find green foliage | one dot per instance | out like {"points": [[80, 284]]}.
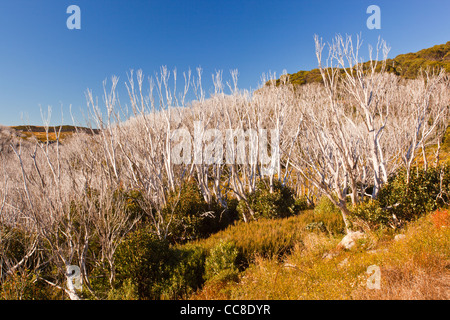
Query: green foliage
{"points": [[304, 77], [404, 65], [99, 280], [18, 286], [265, 204], [221, 265], [326, 217], [141, 257], [409, 65], [185, 271], [262, 238], [399, 202], [371, 212], [128, 291], [23, 282], [155, 269], [145, 259], [12, 242], [193, 217], [424, 193], [301, 204], [324, 206], [187, 206]]}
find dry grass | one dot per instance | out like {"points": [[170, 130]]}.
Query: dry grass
{"points": [[401, 284], [265, 237], [42, 136], [38, 132], [415, 267]]}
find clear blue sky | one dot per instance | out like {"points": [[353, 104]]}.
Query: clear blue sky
{"points": [[44, 63]]}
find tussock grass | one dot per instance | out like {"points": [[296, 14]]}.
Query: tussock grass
{"points": [[273, 238], [414, 267], [418, 266]]}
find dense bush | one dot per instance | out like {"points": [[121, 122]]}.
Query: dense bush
{"points": [[301, 204], [399, 202], [326, 217], [325, 206], [185, 270], [425, 193], [127, 291], [441, 218], [22, 286], [141, 257], [371, 212], [152, 269], [265, 204], [221, 265], [192, 217], [12, 242]]}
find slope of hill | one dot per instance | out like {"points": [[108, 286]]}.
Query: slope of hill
{"points": [[40, 134], [405, 65]]}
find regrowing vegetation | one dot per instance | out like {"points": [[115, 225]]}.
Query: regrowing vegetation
{"points": [[238, 195]]}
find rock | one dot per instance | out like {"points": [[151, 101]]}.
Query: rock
{"points": [[329, 255], [349, 240], [399, 237]]}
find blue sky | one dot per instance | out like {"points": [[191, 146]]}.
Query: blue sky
{"points": [[44, 63]]}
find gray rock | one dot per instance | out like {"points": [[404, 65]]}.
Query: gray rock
{"points": [[349, 240]]}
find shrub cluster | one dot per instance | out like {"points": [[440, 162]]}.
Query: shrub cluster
{"points": [[150, 268], [156, 269], [326, 217], [192, 217], [399, 201], [221, 264], [264, 203]]}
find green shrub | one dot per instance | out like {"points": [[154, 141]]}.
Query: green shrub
{"points": [[232, 213], [187, 206], [99, 278], [326, 216], [301, 204], [371, 212], [128, 291], [265, 204], [221, 263], [423, 193], [13, 242], [185, 270], [193, 217], [141, 258], [324, 206], [269, 238], [156, 270]]}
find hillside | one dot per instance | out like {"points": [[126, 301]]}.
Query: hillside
{"points": [[40, 134], [405, 65], [413, 262], [141, 217]]}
